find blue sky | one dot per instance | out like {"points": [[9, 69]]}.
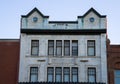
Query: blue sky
{"points": [[60, 10]]}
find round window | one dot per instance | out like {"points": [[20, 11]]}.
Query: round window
{"points": [[35, 19], [91, 19]]}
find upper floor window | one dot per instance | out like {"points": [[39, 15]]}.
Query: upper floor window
{"points": [[59, 47], [91, 47], [35, 47], [91, 74], [74, 48], [67, 47], [34, 74], [51, 47]]}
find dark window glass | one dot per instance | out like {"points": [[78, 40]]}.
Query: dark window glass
{"points": [[50, 73], [51, 47], [91, 74], [66, 74], [91, 47], [58, 74], [75, 48], [74, 74], [34, 74], [67, 48], [34, 47], [58, 47]]}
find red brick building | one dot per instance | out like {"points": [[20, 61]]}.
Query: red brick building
{"points": [[9, 61], [113, 56]]}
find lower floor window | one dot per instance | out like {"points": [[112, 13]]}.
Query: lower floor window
{"points": [[117, 76], [74, 74], [91, 74], [34, 74], [58, 74], [50, 72], [65, 74]]}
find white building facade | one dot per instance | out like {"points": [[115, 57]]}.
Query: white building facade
{"points": [[63, 51]]}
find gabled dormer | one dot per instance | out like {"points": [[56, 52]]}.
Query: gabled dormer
{"points": [[92, 20], [34, 19]]}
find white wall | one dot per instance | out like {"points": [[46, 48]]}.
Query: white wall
{"points": [[28, 61]]}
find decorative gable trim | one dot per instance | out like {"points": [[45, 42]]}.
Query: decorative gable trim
{"points": [[32, 11], [92, 10]]}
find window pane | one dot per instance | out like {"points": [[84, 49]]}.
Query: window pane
{"points": [[91, 43], [58, 43], [34, 74], [91, 75], [58, 74], [35, 51], [117, 77], [50, 47], [50, 74], [50, 78], [74, 48], [35, 43], [59, 47], [91, 47], [91, 79], [67, 43], [75, 78], [67, 51], [34, 78], [75, 74], [59, 51], [91, 51], [66, 74], [66, 47], [51, 51], [34, 47], [51, 43]]}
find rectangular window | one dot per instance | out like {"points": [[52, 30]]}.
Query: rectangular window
{"points": [[66, 74], [34, 47], [67, 48], [91, 47], [59, 47], [117, 76], [51, 47], [74, 74], [50, 73], [75, 48], [92, 74], [34, 74], [58, 74]]}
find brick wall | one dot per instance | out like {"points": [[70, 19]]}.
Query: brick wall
{"points": [[113, 60], [9, 61]]}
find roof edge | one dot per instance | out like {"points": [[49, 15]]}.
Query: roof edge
{"points": [[92, 9], [33, 10]]}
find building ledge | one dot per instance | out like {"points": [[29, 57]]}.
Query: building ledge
{"points": [[63, 31], [61, 83]]}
